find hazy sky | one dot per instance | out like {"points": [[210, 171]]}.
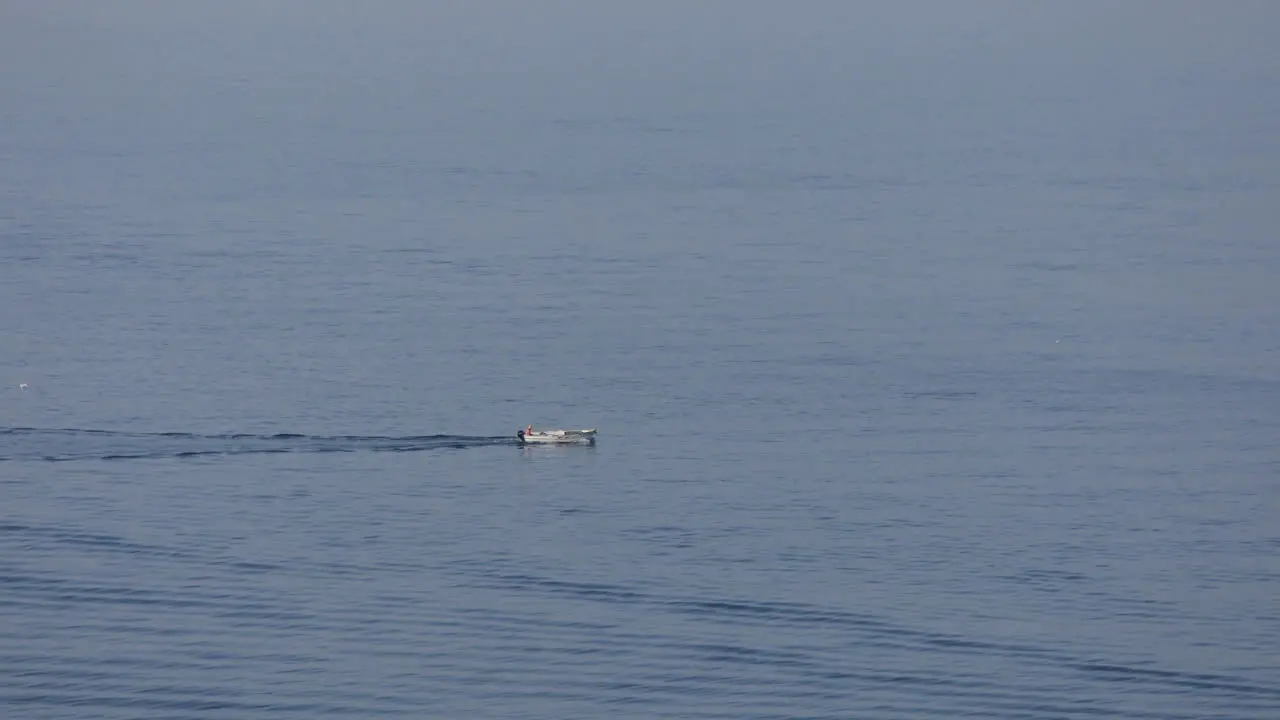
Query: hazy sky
{"points": [[666, 36]]}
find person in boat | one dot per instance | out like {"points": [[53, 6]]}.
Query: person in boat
{"points": [[528, 431]]}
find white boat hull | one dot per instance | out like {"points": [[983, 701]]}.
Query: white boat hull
{"points": [[557, 437]]}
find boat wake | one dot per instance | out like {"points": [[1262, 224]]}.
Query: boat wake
{"points": [[67, 444]]}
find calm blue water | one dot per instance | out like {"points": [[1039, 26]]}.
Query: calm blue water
{"points": [[935, 353]]}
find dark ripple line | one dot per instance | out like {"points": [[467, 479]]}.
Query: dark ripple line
{"points": [[97, 542], [816, 676], [236, 436], [836, 685], [77, 537], [134, 702], [40, 665], [226, 444], [1200, 681], [806, 615], [89, 681], [56, 590], [816, 679]]}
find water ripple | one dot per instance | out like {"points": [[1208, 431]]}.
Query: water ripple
{"points": [[70, 444]]}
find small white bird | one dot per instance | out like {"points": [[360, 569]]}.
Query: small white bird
{"points": [[22, 386]]}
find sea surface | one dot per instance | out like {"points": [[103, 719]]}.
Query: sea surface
{"points": [[934, 350]]}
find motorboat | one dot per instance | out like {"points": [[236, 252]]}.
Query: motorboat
{"points": [[529, 436]]}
